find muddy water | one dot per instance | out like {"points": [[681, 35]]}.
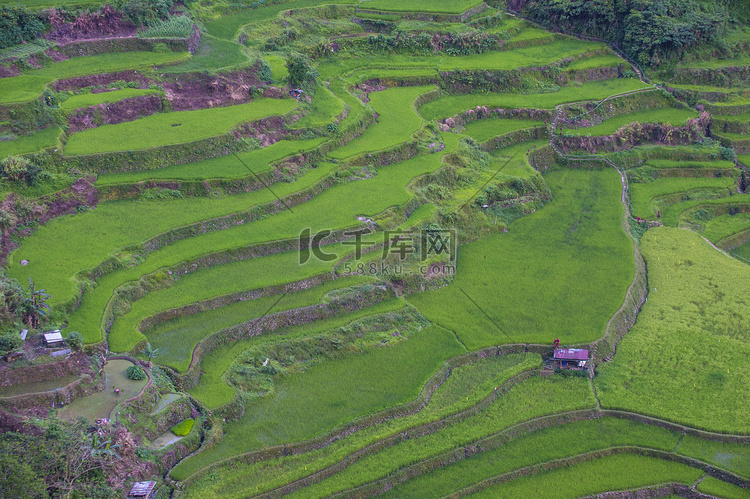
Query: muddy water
{"points": [[100, 404]]}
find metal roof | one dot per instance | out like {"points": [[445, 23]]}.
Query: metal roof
{"points": [[141, 489], [53, 336], [571, 354]]}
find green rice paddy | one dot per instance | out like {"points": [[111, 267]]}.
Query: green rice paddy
{"points": [[249, 164], [451, 105], [173, 128], [23, 144], [420, 384], [454, 7], [692, 319], [92, 99], [583, 222], [665, 115], [481, 130], [30, 84], [397, 121]]}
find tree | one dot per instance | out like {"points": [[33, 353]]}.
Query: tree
{"points": [[18, 25], [11, 297], [76, 459], [65, 461], [34, 305], [150, 352], [19, 477], [302, 74]]}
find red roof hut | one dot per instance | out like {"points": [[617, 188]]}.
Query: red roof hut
{"points": [[571, 358]]}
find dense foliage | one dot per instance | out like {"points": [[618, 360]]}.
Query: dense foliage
{"points": [[135, 373], [142, 11], [65, 461], [18, 25], [650, 31]]}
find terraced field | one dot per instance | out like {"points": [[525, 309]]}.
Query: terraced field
{"points": [[345, 236]]}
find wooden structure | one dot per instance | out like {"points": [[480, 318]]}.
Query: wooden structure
{"points": [[570, 358], [11, 356], [142, 490], [53, 339]]}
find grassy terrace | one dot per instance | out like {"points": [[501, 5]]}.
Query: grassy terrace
{"points": [[596, 476], [91, 99], [583, 222], [453, 7], [31, 83], [666, 115], [173, 128], [523, 402], [339, 391], [725, 225], [367, 197], [481, 130], [227, 26], [692, 318], [599, 61], [535, 448], [258, 161], [525, 57], [648, 198], [466, 386], [214, 392], [397, 121], [209, 283], [23, 144], [450, 105], [177, 338], [675, 215], [397, 380], [509, 409]]}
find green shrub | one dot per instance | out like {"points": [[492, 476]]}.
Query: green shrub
{"points": [[183, 428], [18, 24], [302, 74], [174, 27], [136, 373], [160, 48], [142, 11], [9, 341], [75, 341]]}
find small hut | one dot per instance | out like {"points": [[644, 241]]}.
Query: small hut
{"points": [[571, 358], [53, 339], [142, 490]]}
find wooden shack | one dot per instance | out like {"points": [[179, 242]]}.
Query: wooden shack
{"points": [[141, 490], [570, 358]]}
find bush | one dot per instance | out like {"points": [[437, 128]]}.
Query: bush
{"points": [[75, 341], [265, 72], [136, 373], [141, 11], [183, 428], [302, 74], [14, 168], [160, 48], [9, 341], [727, 153], [174, 27], [18, 24]]}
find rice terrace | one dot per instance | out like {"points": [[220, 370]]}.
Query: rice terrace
{"points": [[356, 248]]}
